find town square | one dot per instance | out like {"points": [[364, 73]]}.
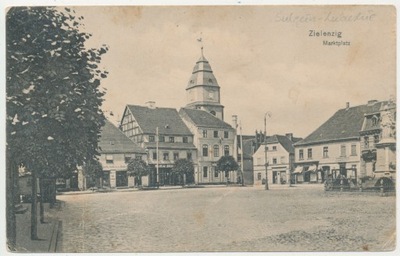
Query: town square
{"points": [[157, 129]]}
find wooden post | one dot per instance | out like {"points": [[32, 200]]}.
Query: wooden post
{"points": [[11, 175], [34, 235]]}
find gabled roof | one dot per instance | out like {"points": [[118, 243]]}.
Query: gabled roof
{"points": [[346, 123], [113, 140], [201, 118], [167, 120], [286, 143]]}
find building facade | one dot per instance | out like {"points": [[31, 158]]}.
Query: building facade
{"points": [[343, 145], [378, 145], [164, 137], [213, 139], [280, 158], [116, 150]]}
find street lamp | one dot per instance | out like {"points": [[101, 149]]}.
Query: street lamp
{"points": [[265, 149]]}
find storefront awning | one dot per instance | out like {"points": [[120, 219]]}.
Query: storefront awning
{"points": [[299, 169], [312, 168]]}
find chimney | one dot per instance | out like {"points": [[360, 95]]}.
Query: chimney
{"points": [[372, 102], [234, 121], [289, 136], [347, 105], [151, 104]]}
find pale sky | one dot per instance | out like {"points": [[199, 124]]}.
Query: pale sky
{"points": [[262, 57]]}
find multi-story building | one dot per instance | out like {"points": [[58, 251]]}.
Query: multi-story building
{"points": [[116, 150], [165, 138], [334, 148], [378, 148], [213, 138], [280, 158]]}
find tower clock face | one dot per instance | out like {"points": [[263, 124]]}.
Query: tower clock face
{"points": [[211, 95]]}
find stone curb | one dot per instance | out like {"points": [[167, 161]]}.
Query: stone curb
{"points": [[55, 236]]}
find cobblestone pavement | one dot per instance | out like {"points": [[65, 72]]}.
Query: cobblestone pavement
{"points": [[228, 219]]}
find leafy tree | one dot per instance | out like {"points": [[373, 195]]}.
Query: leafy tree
{"points": [[138, 168], [53, 99], [226, 164], [93, 171], [183, 167]]}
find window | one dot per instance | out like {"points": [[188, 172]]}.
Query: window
{"points": [[176, 155], [205, 171], [273, 147], [185, 139], [366, 142], [204, 133], [154, 156], [325, 152], [165, 156], [138, 157], [215, 134], [259, 176], [161, 138], [213, 113], [226, 150], [127, 158], [343, 150], [216, 173], [216, 151], [309, 153], [226, 134], [205, 150], [189, 155], [151, 138], [109, 159], [274, 161], [301, 154], [267, 148], [171, 139], [376, 139], [353, 150], [374, 121]]}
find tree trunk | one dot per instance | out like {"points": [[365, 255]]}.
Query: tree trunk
{"points": [[34, 207], [11, 176], [42, 195], [52, 192]]}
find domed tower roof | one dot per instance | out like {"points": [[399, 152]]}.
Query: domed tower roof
{"points": [[202, 74]]}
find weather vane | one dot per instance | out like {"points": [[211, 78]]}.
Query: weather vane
{"points": [[200, 40]]}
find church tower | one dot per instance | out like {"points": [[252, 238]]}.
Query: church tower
{"points": [[203, 91]]}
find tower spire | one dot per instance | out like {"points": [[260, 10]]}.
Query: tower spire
{"points": [[200, 40]]}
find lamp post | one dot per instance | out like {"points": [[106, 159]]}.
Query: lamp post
{"points": [[265, 149], [241, 154], [157, 167]]}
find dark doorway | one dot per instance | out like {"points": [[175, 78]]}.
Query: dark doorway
{"points": [[122, 179]]}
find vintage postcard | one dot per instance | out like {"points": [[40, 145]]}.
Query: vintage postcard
{"points": [[194, 129]]}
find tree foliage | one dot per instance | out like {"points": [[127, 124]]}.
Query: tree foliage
{"points": [[53, 99], [138, 168], [183, 166], [92, 170], [227, 164]]}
